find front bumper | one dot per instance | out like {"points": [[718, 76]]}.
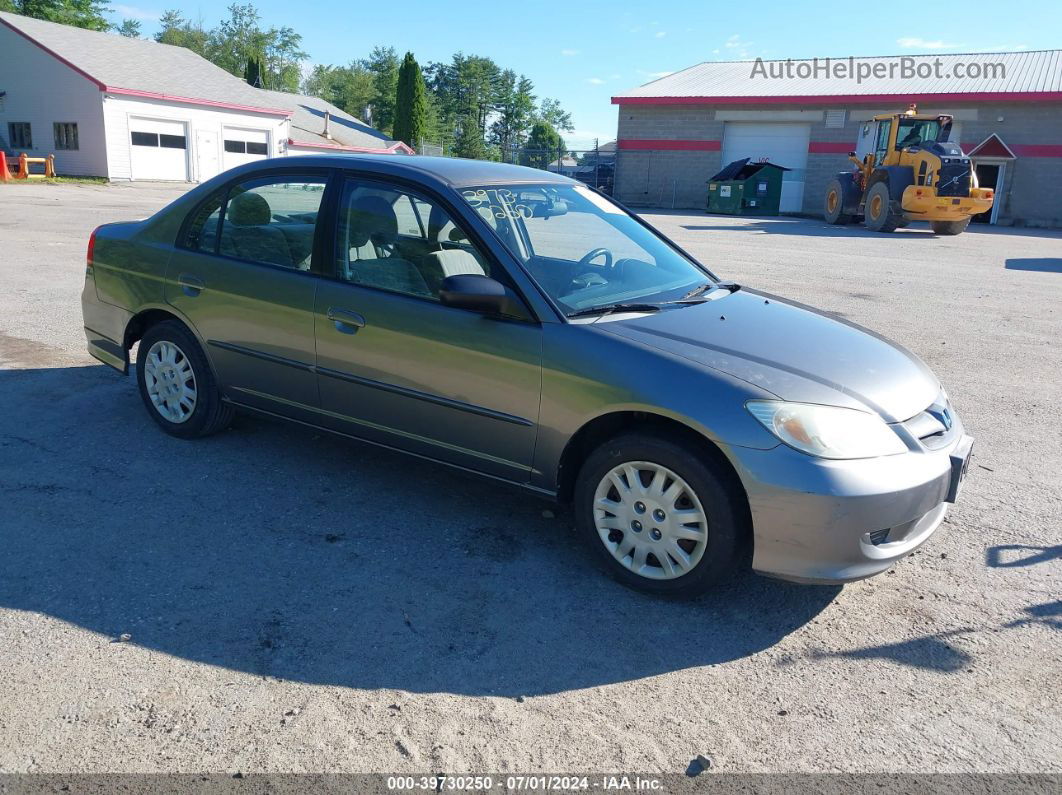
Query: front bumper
{"points": [[817, 520], [921, 203]]}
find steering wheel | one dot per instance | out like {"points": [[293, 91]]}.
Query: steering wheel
{"points": [[594, 254]]}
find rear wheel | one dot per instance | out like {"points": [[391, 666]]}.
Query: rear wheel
{"points": [[950, 227], [177, 385], [833, 206], [659, 517], [878, 213]]}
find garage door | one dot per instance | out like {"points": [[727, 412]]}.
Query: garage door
{"points": [[781, 143], [158, 149], [244, 146]]}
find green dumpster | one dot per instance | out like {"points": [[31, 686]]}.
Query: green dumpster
{"points": [[744, 188]]}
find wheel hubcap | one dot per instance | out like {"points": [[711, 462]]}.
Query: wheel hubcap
{"points": [[875, 206], [170, 381], [831, 201], [641, 495]]}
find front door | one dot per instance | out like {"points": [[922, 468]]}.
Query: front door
{"points": [[206, 154], [396, 366], [243, 278]]}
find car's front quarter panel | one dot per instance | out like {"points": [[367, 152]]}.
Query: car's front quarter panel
{"points": [[587, 374]]}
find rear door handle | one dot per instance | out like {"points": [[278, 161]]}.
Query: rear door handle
{"points": [[190, 285], [346, 321]]}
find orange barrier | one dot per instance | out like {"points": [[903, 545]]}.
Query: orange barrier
{"points": [[24, 162]]}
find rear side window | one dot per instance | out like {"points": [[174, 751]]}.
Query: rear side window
{"points": [[271, 220]]}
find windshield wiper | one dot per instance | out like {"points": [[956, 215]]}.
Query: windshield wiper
{"points": [[700, 290], [608, 309]]}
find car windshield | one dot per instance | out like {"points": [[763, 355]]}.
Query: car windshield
{"points": [[584, 250]]}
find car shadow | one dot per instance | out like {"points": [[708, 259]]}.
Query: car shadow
{"points": [[275, 550], [803, 227], [1040, 264]]}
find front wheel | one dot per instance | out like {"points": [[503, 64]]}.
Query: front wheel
{"points": [[950, 227], [659, 517], [879, 215], [177, 384]]}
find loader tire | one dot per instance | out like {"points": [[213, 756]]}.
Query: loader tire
{"points": [[833, 204], [950, 227], [878, 213]]}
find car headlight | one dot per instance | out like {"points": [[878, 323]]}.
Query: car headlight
{"points": [[827, 431]]}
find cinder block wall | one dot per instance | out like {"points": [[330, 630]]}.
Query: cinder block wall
{"points": [[1032, 194]]}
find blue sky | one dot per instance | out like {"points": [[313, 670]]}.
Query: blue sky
{"points": [[584, 52]]}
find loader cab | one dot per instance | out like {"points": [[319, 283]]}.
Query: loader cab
{"points": [[887, 134]]}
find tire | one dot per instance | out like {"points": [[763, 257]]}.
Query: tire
{"points": [[879, 215], [833, 204], [625, 541], [177, 385], [950, 227]]}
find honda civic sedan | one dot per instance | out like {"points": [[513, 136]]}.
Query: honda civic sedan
{"points": [[519, 325]]}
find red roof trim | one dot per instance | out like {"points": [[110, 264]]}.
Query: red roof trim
{"points": [[849, 99], [1037, 150], [132, 92], [992, 146], [54, 54], [394, 148], [669, 144]]}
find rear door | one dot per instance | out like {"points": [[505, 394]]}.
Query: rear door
{"points": [[395, 365], [244, 276]]}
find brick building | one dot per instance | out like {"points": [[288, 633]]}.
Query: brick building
{"points": [[676, 132]]}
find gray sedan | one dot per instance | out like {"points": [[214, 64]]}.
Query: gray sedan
{"points": [[521, 326]]}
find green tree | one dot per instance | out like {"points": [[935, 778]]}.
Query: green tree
{"points": [[514, 108], [411, 103], [350, 88], [130, 28], [551, 112], [176, 30], [79, 13], [468, 141], [383, 64], [544, 145], [252, 74]]}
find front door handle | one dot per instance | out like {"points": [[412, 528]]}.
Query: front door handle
{"points": [[346, 321], [190, 285]]}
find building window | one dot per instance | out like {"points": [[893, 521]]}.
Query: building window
{"points": [[245, 147], [158, 139], [65, 135], [20, 134]]}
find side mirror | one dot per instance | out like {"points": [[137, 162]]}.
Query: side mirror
{"points": [[480, 294]]}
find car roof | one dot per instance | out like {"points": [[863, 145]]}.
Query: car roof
{"points": [[455, 172]]}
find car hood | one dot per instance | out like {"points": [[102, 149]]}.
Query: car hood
{"points": [[790, 350]]}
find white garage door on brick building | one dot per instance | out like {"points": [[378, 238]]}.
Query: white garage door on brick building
{"points": [[779, 143]]}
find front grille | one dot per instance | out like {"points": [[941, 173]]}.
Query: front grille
{"points": [[934, 426], [953, 179]]}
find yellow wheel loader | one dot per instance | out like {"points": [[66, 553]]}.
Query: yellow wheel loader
{"points": [[907, 170]]}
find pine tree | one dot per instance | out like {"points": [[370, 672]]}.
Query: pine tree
{"points": [[411, 103], [253, 73]]}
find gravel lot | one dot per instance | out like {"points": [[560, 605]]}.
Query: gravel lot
{"points": [[296, 602]]}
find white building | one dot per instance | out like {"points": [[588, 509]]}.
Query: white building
{"points": [[123, 108]]}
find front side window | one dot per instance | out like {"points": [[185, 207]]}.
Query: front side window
{"points": [[582, 249], [394, 240], [20, 134], [65, 135]]}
